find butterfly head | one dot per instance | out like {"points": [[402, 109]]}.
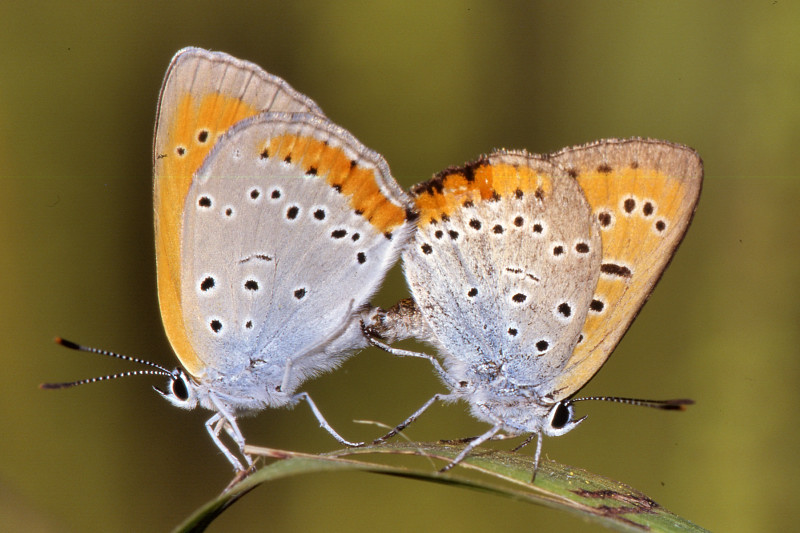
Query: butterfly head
{"points": [[181, 390], [521, 410]]}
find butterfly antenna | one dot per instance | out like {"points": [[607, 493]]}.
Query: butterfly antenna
{"points": [[158, 369], [669, 405]]}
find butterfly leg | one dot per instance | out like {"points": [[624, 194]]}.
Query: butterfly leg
{"points": [[214, 426], [538, 437], [465, 440], [472, 445], [287, 372], [403, 425], [233, 431], [537, 455], [524, 443], [225, 420], [407, 353], [322, 422]]}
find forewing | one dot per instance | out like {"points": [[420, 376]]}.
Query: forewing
{"points": [[643, 194], [204, 93]]}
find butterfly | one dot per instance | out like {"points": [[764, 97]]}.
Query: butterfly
{"points": [[273, 228], [526, 271]]}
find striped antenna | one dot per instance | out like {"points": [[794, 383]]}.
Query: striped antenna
{"points": [[159, 370], [671, 405]]}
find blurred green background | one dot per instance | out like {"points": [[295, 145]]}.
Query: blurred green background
{"points": [[426, 84]]}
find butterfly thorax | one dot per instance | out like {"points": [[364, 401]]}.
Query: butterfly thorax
{"points": [[495, 395], [244, 392], [522, 409]]}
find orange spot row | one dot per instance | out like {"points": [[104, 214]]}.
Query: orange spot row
{"points": [[488, 181], [333, 165]]}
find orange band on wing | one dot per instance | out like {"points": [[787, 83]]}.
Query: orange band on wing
{"points": [[330, 163], [449, 190], [197, 125]]}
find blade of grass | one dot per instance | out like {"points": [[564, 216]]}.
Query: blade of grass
{"points": [[592, 497]]}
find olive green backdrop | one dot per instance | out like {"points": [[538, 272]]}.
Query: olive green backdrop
{"points": [[426, 84]]}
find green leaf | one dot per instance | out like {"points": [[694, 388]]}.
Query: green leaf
{"points": [[592, 497]]}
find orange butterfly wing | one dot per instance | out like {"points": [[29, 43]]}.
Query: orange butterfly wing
{"points": [[204, 94], [643, 193]]}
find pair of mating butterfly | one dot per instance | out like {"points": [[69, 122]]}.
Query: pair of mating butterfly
{"points": [[274, 227]]}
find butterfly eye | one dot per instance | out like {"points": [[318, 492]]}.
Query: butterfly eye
{"points": [[561, 420], [179, 389], [181, 392], [561, 416]]}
